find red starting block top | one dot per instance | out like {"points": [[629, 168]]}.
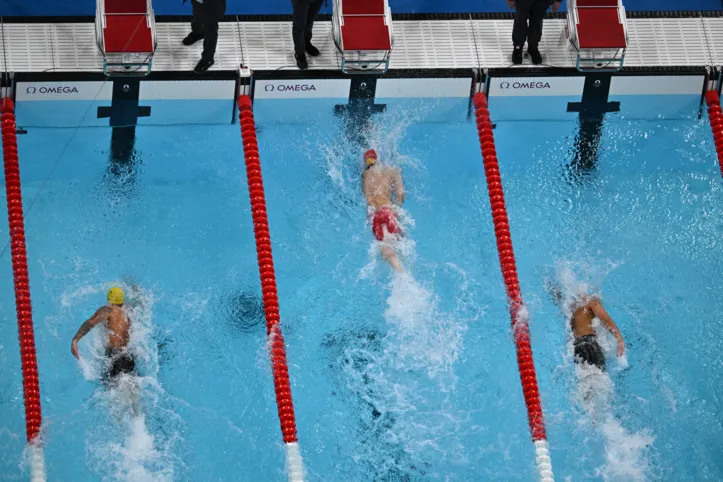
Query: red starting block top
{"points": [[597, 3], [600, 28], [125, 6], [365, 33], [362, 7], [364, 26], [127, 33]]}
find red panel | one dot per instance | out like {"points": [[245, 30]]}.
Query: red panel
{"points": [[365, 33], [597, 3], [125, 6], [127, 34], [362, 7], [600, 28]]}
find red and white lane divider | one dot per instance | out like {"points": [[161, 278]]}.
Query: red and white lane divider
{"points": [[279, 366], [31, 384], [520, 327], [716, 123]]}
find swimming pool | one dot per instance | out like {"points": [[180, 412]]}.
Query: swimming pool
{"points": [[394, 378]]}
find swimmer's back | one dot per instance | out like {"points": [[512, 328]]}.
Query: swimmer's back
{"points": [[581, 321], [378, 185], [118, 327]]}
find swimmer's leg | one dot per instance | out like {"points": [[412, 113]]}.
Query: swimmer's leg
{"points": [[391, 257]]}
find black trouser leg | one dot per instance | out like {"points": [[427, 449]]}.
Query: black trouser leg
{"points": [[298, 30], [534, 32], [197, 22], [214, 11], [314, 8], [519, 28]]}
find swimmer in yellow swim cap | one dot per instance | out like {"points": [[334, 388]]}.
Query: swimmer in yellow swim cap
{"points": [[118, 327]]}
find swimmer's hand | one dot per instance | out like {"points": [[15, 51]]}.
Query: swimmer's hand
{"points": [[74, 349], [623, 363], [621, 348]]}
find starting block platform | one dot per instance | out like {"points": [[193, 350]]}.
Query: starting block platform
{"points": [[422, 44]]}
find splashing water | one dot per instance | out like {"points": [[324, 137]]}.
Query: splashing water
{"points": [[626, 453], [408, 380], [403, 381], [131, 436]]}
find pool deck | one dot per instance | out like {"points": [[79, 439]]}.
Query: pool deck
{"points": [[419, 44]]}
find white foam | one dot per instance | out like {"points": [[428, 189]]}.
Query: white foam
{"points": [[626, 453], [410, 380], [119, 443]]}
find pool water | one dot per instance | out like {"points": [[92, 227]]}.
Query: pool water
{"points": [[409, 378]]}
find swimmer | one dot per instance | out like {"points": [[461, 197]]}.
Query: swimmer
{"points": [[114, 314], [380, 184], [584, 309]]}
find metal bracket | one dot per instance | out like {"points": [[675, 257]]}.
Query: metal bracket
{"points": [[7, 85]]}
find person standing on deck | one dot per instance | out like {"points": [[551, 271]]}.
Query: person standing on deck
{"points": [[304, 14], [206, 15], [532, 11]]}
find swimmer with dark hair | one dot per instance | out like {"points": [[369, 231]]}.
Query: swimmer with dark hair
{"points": [[384, 191], [584, 309]]}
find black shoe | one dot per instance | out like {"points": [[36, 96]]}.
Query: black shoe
{"points": [[311, 50], [192, 38], [301, 61], [535, 55], [203, 65], [517, 56]]}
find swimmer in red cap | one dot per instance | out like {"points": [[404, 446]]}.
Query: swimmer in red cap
{"points": [[381, 184]]}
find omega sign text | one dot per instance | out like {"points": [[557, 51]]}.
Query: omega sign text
{"points": [[524, 85], [289, 88], [52, 90]]}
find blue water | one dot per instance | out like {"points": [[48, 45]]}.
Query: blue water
{"points": [[394, 378], [275, 7]]}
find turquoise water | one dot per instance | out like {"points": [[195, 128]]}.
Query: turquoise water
{"points": [[394, 378]]}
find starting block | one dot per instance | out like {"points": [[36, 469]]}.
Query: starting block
{"points": [[125, 32], [597, 30], [363, 35]]}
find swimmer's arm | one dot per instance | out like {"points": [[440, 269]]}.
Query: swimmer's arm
{"points": [[606, 319], [98, 317], [399, 186]]}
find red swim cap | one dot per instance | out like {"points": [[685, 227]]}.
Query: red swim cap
{"points": [[370, 153]]}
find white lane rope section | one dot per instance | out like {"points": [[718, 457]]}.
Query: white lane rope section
{"points": [[36, 459], [544, 463], [294, 463]]}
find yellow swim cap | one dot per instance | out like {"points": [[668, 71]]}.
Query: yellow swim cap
{"points": [[116, 296]]}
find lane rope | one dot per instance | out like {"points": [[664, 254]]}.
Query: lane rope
{"points": [[18, 251], [280, 369], [518, 313], [712, 98]]}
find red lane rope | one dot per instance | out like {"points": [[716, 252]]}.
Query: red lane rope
{"points": [[509, 270], [716, 123], [31, 385], [266, 269]]}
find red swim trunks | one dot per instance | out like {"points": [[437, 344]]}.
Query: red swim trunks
{"points": [[385, 217]]}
